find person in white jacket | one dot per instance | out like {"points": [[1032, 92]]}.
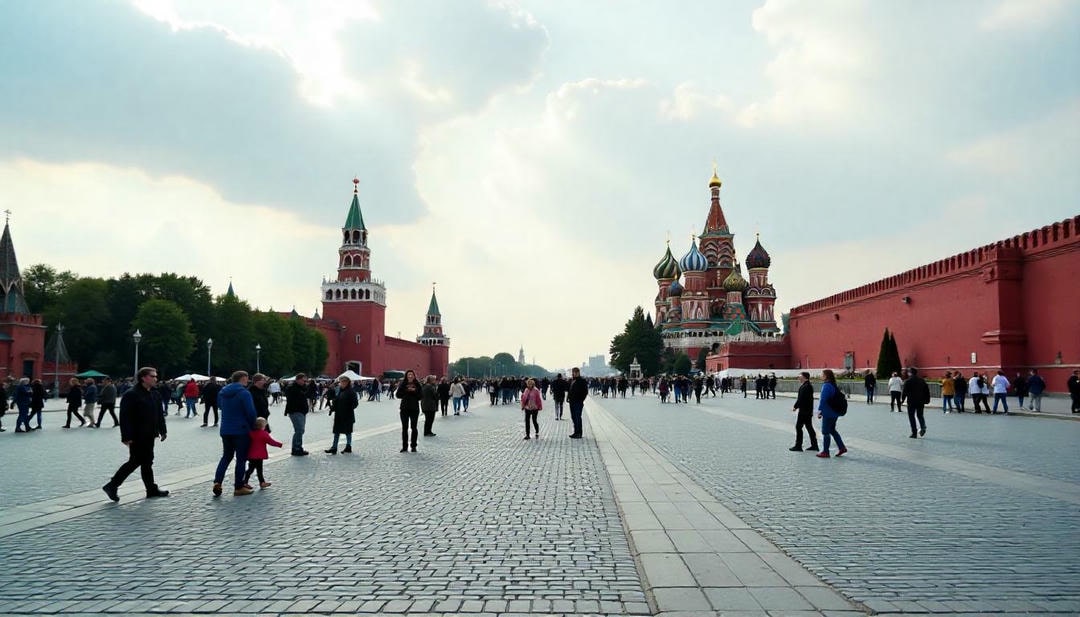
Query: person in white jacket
{"points": [[457, 390], [896, 388], [1000, 385]]}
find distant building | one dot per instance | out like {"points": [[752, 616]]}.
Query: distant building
{"points": [[22, 333], [354, 315]]}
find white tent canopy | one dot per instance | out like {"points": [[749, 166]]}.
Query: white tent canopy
{"points": [[354, 376], [190, 376]]}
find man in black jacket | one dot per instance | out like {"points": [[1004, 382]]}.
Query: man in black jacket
{"points": [[209, 399], [260, 397], [578, 391], [917, 395], [141, 422], [804, 407], [296, 410]]}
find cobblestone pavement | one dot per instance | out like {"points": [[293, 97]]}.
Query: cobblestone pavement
{"points": [[477, 521], [978, 517]]}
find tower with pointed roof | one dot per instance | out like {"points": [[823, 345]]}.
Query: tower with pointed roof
{"points": [[354, 299], [353, 317], [22, 333], [713, 303]]}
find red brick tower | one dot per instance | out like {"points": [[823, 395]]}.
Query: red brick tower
{"points": [[356, 301], [434, 338]]}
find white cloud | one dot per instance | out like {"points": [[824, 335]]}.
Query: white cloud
{"points": [[822, 52], [1046, 146], [1022, 14], [688, 102]]}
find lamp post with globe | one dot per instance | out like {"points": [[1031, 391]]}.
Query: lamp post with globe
{"points": [[136, 337]]}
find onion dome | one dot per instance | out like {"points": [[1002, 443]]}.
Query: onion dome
{"points": [[668, 268], [735, 280], [693, 260], [758, 257], [715, 180], [675, 289]]}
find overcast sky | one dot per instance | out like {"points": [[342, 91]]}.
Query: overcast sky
{"points": [[530, 156]]}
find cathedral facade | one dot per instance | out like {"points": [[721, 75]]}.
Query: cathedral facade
{"points": [[353, 315], [714, 303]]}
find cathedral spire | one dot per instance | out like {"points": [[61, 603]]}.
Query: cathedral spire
{"points": [[355, 220], [12, 299], [715, 222]]}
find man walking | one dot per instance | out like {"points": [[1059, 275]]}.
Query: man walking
{"points": [[1073, 384], [870, 383], [107, 403], [1036, 387], [209, 398], [296, 410], [896, 389], [237, 421], [579, 390], [804, 407], [917, 395], [1000, 386], [141, 422], [429, 404]]}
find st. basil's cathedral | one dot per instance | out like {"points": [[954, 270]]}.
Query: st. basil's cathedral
{"points": [[714, 303]]}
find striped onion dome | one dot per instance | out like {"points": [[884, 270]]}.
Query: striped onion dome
{"points": [[668, 268], [693, 260]]}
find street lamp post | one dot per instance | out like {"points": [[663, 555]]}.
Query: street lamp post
{"points": [[136, 337], [258, 352], [56, 367], [209, 346]]}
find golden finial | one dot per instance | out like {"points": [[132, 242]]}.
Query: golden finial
{"points": [[715, 180]]}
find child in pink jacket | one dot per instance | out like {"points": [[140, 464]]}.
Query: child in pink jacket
{"points": [[257, 453]]}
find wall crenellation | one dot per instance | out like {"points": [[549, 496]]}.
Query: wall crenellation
{"points": [[1037, 240]]}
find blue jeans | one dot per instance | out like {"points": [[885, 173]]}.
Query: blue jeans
{"points": [[870, 394], [465, 403], [233, 446], [946, 402], [958, 402], [828, 432], [1001, 396], [457, 404], [299, 422], [575, 415], [24, 417], [348, 440], [191, 410]]}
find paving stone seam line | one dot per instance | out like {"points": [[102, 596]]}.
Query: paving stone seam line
{"points": [[619, 446], [42, 513], [1039, 485]]}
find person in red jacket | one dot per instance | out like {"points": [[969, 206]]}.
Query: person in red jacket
{"points": [[191, 396], [257, 453]]}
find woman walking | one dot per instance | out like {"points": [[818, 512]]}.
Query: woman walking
{"points": [[531, 404], [829, 415], [456, 392], [409, 393], [344, 411], [74, 402]]}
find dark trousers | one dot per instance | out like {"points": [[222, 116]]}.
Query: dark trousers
{"points": [[914, 411], [530, 416], [254, 465], [73, 408], [206, 413], [444, 403], [429, 422], [805, 419], [576, 408], [233, 446], [409, 420], [109, 407], [141, 456], [894, 399]]}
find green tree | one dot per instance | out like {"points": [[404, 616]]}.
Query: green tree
{"points": [[321, 351], [234, 336], [888, 356], [273, 333], [85, 314], [505, 364], [303, 347], [681, 365], [639, 339], [167, 339], [43, 286]]}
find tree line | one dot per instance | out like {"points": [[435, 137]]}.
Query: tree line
{"points": [[500, 364], [641, 339], [175, 315]]}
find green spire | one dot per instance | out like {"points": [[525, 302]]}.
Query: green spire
{"points": [[355, 220], [229, 293], [11, 284], [433, 307]]}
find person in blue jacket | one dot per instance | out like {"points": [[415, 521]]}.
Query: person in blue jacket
{"points": [[237, 421], [828, 415]]}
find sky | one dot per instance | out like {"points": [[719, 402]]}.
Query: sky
{"points": [[530, 157]]}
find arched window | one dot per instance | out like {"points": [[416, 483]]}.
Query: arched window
{"points": [[337, 294], [347, 262], [356, 237], [329, 295], [367, 294], [352, 294]]}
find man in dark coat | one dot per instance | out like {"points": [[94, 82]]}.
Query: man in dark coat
{"points": [[141, 422], [260, 397], [429, 404], [209, 399], [804, 407], [296, 410], [578, 391], [917, 395]]}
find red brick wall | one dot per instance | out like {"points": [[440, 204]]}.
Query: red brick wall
{"points": [[1012, 303], [28, 344]]}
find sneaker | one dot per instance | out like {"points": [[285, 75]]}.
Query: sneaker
{"points": [[264, 484], [795, 448], [842, 452], [823, 455], [217, 489], [922, 432], [110, 490], [243, 490]]}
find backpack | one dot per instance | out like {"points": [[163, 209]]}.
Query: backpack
{"points": [[838, 402]]}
